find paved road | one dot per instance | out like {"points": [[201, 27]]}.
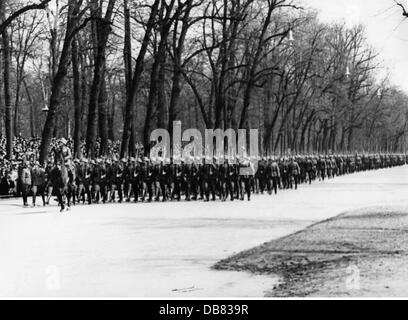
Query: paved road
{"points": [[166, 249]]}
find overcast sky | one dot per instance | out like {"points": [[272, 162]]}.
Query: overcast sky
{"points": [[385, 27]]}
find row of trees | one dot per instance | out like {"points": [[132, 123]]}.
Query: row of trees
{"points": [[117, 69]]}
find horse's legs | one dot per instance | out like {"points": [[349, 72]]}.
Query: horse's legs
{"points": [[113, 193], [49, 195], [60, 198], [68, 196]]}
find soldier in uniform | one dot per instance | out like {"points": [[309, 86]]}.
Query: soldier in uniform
{"points": [[223, 172], [309, 169], [96, 177], [282, 171], [62, 153], [245, 182], [359, 163], [120, 178], [58, 184], [328, 167], [150, 180], [163, 179], [268, 175], [209, 181], [144, 178], [110, 180], [135, 180], [260, 177], [275, 173], [187, 179], [194, 180], [49, 187], [334, 166], [127, 178], [103, 180], [286, 175], [321, 168], [71, 185], [294, 170], [340, 165], [177, 175], [39, 182], [25, 180], [157, 168], [302, 164], [83, 176], [233, 181]]}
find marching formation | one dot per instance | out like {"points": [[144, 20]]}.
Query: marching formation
{"points": [[109, 179]]}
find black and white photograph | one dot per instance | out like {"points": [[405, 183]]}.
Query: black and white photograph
{"points": [[203, 149]]}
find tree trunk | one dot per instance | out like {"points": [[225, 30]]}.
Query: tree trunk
{"points": [[161, 56], [303, 134], [174, 98], [151, 102], [177, 73], [350, 139], [1, 117], [6, 85], [127, 54], [84, 96], [132, 142], [309, 138], [130, 108], [16, 109], [58, 81], [102, 31], [32, 117], [161, 94], [111, 120], [103, 120], [127, 50], [77, 100], [253, 64]]}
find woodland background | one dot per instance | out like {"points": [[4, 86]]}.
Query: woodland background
{"points": [[108, 70]]}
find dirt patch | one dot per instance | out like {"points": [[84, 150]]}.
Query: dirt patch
{"points": [[364, 253]]}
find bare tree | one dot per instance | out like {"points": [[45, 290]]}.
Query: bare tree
{"points": [[102, 28], [72, 27], [6, 82], [130, 107]]}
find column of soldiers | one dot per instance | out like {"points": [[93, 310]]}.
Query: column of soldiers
{"points": [[103, 180], [111, 179]]}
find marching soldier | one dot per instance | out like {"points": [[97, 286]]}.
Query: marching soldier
{"points": [[57, 182], [194, 178], [25, 180], [321, 168], [83, 177], [144, 179], [275, 172], [209, 179], [309, 169], [39, 182], [245, 182], [294, 170], [260, 177], [135, 180], [223, 180], [163, 179]]}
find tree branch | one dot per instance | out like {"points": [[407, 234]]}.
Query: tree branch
{"points": [[40, 6], [404, 11]]}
